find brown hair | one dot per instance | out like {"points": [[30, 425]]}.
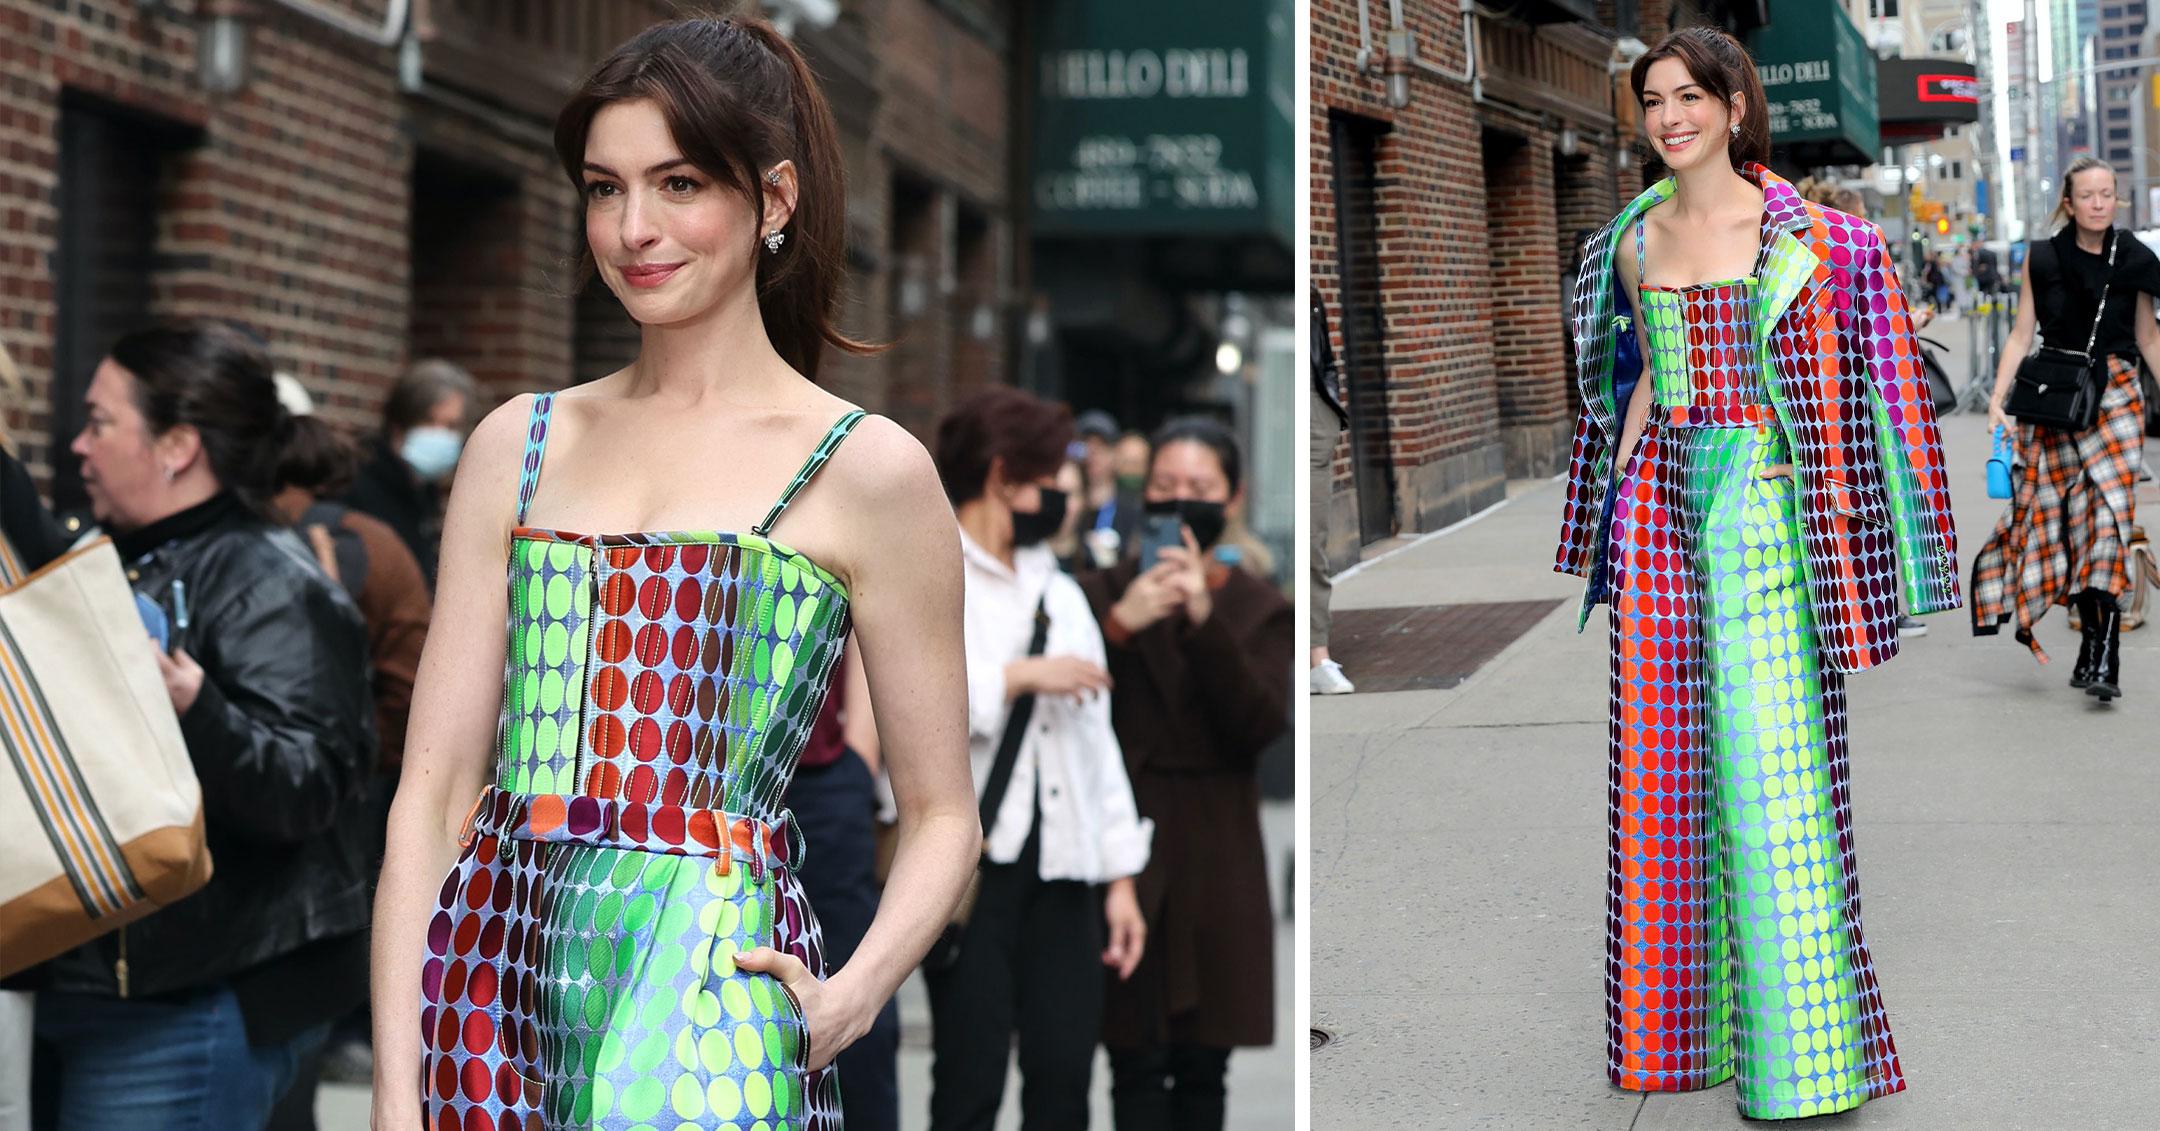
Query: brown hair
{"points": [[2084, 164], [738, 98], [1720, 65], [318, 458], [1000, 423], [215, 377]]}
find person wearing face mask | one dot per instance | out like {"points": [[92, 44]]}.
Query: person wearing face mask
{"points": [[423, 433], [1057, 901], [1200, 672], [1113, 527]]}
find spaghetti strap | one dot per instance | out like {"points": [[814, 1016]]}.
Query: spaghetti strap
{"points": [[825, 449], [536, 432]]}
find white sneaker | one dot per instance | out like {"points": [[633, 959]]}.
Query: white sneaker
{"points": [[1328, 679], [1911, 626]]}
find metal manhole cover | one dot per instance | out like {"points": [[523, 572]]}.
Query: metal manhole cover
{"points": [[1424, 647], [1321, 1038]]}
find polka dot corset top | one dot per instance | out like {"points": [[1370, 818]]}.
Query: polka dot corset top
{"points": [[1701, 342], [680, 669]]}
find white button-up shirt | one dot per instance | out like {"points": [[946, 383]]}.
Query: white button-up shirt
{"points": [[1069, 759]]}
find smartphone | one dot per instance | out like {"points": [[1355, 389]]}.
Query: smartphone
{"points": [[154, 620], [1158, 531]]}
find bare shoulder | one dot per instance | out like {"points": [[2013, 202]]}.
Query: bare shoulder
{"points": [[885, 488], [494, 455], [883, 464]]}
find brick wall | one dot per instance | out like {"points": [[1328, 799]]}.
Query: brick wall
{"points": [[289, 214], [928, 200], [1477, 215], [314, 204], [1442, 413]]}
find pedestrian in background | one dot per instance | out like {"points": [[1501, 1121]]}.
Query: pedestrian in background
{"points": [[1200, 669], [424, 422], [2064, 538], [198, 1016], [1117, 522], [1330, 422], [372, 564], [1057, 901], [1699, 515]]}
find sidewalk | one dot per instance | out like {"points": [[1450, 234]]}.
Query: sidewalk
{"points": [[2005, 826]]}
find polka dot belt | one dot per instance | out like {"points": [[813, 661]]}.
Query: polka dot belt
{"points": [[676, 830]]}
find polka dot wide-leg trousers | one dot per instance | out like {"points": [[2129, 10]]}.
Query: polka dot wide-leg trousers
{"points": [[1733, 946]]}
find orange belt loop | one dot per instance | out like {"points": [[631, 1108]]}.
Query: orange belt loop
{"points": [[465, 831]]}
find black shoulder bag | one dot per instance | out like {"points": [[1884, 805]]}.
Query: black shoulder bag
{"points": [[2059, 388], [946, 950]]}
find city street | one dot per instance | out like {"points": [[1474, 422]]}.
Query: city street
{"points": [[2004, 825], [1261, 1080]]}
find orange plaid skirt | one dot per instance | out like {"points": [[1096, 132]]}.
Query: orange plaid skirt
{"points": [[2067, 528]]}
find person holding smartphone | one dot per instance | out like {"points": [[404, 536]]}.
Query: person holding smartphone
{"points": [[1200, 665]]}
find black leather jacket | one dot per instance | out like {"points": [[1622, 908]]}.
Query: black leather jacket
{"points": [[282, 737]]}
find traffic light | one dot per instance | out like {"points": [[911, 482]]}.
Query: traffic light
{"points": [[1942, 225]]}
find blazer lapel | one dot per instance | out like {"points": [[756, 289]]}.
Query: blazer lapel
{"points": [[1790, 261]]}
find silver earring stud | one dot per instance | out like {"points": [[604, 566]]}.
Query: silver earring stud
{"points": [[773, 240], [169, 474], [772, 176], [1736, 129]]}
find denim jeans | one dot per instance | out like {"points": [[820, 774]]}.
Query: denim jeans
{"points": [[178, 1064]]}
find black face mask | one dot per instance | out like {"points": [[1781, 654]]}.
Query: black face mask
{"points": [[1205, 519], [1031, 527]]}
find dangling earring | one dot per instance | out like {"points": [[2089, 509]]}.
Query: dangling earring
{"points": [[773, 240], [1736, 130]]}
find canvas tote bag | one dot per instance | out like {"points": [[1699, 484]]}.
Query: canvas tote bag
{"points": [[100, 813]]}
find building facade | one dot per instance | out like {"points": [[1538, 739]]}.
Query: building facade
{"points": [[1450, 190], [365, 194]]}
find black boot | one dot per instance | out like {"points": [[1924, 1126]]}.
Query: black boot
{"points": [[2088, 637], [2107, 651]]}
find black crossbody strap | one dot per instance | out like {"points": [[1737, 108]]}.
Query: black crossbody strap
{"points": [[1008, 751], [2100, 311]]}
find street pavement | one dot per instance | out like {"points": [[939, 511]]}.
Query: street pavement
{"points": [[1260, 1085], [2004, 825]]}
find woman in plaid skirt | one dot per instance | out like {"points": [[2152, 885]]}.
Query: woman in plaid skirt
{"points": [[2062, 540]]}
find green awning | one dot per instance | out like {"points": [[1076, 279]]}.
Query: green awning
{"points": [[1819, 78], [1155, 118]]}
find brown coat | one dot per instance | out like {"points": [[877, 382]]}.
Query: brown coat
{"points": [[394, 603], [1193, 707]]}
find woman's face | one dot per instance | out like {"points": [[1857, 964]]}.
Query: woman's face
{"points": [[123, 465], [1687, 126], [2092, 199], [1188, 469], [669, 240]]}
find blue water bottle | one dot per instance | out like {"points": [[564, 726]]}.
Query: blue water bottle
{"points": [[1998, 467]]}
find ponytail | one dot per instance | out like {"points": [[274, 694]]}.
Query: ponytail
{"points": [[739, 99]]}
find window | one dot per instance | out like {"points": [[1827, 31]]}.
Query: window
{"points": [[1957, 170], [2118, 113], [2114, 31], [2118, 155], [1883, 9]]}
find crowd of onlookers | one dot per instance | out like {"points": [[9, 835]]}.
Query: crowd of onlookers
{"points": [[1123, 903]]}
